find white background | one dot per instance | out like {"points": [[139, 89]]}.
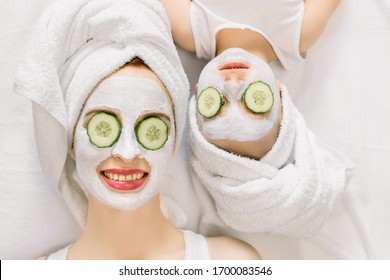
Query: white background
{"points": [[343, 91]]}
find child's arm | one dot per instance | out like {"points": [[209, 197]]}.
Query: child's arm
{"points": [[317, 14], [179, 16]]}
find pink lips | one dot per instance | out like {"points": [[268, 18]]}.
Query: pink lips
{"points": [[234, 65], [124, 179]]}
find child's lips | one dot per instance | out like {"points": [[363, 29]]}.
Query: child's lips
{"points": [[233, 65]]}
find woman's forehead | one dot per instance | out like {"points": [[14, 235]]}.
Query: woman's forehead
{"points": [[138, 70], [130, 93]]}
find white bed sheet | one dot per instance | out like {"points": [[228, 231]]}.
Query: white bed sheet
{"points": [[343, 90]]}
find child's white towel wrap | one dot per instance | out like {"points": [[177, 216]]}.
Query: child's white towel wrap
{"points": [[290, 191]]}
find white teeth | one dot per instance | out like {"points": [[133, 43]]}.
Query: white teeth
{"points": [[123, 178]]}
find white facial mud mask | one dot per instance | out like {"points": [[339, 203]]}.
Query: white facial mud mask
{"points": [[130, 97], [237, 124]]}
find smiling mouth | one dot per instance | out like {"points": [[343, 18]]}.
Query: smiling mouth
{"points": [[124, 180], [233, 65]]}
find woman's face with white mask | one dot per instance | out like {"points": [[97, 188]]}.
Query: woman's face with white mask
{"points": [[235, 128], [124, 175]]}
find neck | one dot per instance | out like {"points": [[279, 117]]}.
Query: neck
{"points": [[143, 233], [249, 40]]}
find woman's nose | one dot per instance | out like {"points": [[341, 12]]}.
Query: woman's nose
{"points": [[127, 147]]}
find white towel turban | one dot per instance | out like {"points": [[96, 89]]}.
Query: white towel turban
{"points": [[76, 44]]}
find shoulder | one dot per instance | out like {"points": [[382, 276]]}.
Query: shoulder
{"points": [[225, 248], [178, 12]]}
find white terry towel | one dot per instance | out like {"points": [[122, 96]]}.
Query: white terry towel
{"points": [[76, 44], [290, 191]]}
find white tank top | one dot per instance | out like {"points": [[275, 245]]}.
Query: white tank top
{"points": [[195, 248], [278, 21]]}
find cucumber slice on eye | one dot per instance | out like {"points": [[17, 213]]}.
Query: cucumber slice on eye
{"points": [[103, 129], [209, 102], [152, 133], [258, 97]]}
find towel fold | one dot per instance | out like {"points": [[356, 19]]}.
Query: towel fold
{"points": [[76, 44], [290, 191]]}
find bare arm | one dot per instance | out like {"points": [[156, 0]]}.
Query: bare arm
{"points": [[317, 14], [179, 16]]}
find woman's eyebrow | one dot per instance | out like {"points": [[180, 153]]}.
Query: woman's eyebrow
{"points": [[154, 114], [105, 109], [158, 114], [102, 109]]}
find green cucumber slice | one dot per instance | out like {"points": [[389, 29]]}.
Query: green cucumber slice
{"points": [[258, 97], [152, 133], [103, 129], [209, 102]]}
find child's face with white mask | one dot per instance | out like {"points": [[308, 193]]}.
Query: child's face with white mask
{"points": [[236, 127], [133, 108]]}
